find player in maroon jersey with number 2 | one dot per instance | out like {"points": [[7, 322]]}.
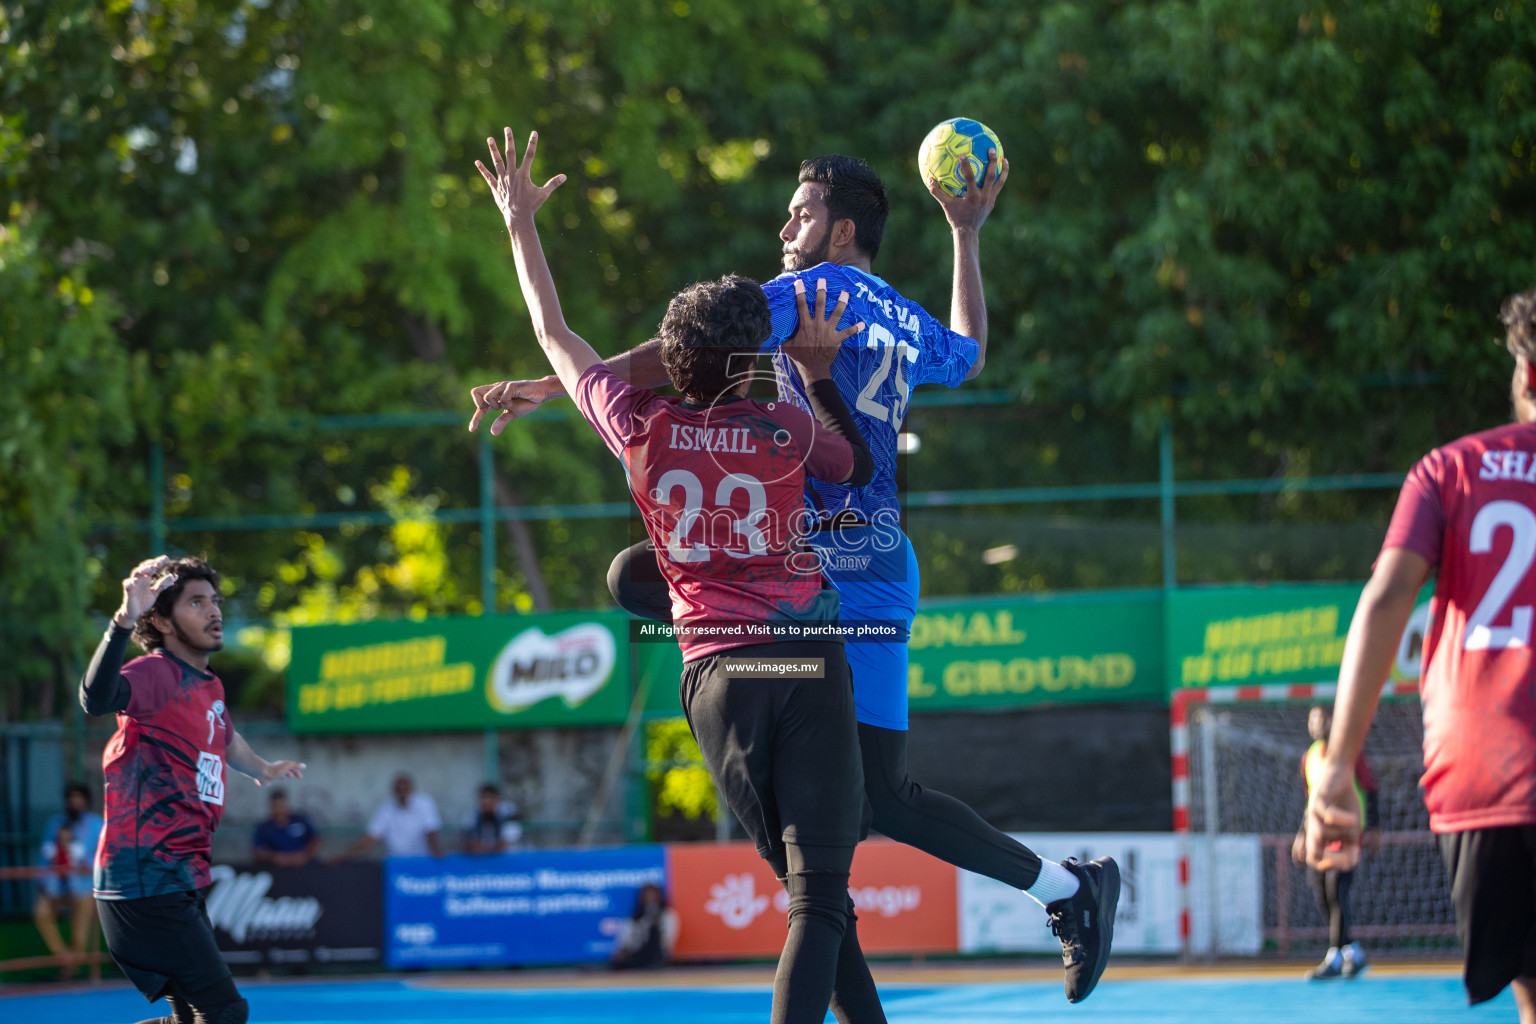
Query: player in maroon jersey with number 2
{"points": [[164, 792], [719, 480], [1468, 512]]}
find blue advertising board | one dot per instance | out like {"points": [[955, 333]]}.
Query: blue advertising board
{"points": [[539, 907]]}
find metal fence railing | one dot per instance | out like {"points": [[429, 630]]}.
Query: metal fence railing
{"points": [[1166, 488]]}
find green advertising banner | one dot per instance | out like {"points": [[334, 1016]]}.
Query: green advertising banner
{"points": [[1247, 636], [1012, 652], [1235, 636], [576, 668], [494, 671], [659, 669]]}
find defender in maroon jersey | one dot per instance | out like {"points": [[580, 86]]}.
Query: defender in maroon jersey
{"points": [[164, 792], [1468, 512], [719, 479]]}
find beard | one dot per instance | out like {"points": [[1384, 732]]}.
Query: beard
{"points": [[805, 258], [208, 644]]}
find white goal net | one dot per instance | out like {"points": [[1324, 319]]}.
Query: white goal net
{"points": [[1242, 776]]}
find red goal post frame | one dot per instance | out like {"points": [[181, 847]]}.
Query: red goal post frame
{"points": [[1178, 736]]}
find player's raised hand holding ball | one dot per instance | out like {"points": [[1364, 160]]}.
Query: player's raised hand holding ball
{"points": [[962, 163]]}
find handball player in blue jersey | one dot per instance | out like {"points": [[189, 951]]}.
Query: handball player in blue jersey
{"points": [[834, 231], [719, 481]]}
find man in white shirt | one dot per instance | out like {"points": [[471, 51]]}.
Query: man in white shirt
{"points": [[407, 825]]}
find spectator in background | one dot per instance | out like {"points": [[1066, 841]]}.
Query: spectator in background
{"points": [[649, 935], [286, 839], [493, 827], [407, 824], [1344, 959], [69, 844]]}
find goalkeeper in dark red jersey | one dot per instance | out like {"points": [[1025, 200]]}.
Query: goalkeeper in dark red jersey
{"points": [[1467, 512], [719, 479], [164, 792]]}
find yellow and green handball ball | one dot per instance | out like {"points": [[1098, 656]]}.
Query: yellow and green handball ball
{"points": [[950, 144]]}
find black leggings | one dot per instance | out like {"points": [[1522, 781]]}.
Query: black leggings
{"points": [[1333, 898], [933, 822], [821, 921], [782, 751]]}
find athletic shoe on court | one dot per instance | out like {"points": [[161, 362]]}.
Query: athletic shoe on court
{"points": [[1085, 923], [1331, 967], [1355, 960]]}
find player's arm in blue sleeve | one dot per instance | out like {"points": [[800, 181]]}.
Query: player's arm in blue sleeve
{"points": [[944, 356], [783, 308]]}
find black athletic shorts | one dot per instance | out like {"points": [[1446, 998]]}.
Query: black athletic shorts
{"points": [[160, 940], [1493, 885], [784, 751]]}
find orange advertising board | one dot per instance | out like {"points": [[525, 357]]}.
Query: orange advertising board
{"points": [[729, 904]]}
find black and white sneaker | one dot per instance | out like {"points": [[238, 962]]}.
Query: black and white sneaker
{"points": [[1085, 923]]}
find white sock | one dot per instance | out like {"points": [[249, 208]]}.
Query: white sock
{"points": [[1055, 883]]}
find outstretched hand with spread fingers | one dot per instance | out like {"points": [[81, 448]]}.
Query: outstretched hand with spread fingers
{"points": [[816, 341], [512, 183]]}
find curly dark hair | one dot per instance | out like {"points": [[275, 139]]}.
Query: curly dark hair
{"points": [[1519, 316], [185, 570], [706, 324], [852, 192]]}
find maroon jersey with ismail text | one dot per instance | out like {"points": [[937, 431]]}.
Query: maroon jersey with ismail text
{"points": [[1469, 508], [164, 791], [721, 490]]}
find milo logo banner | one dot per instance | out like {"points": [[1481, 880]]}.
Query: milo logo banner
{"points": [[1010, 652], [493, 671]]}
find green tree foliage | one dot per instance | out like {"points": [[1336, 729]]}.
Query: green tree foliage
{"points": [[680, 783], [1248, 221], [1255, 222], [48, 445]]}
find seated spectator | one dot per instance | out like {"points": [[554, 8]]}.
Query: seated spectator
{"points": [[407, 824], [494, 826], [286, 839], [649, 935], [69, 846]]}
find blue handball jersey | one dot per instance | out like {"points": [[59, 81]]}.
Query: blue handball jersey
{"points": [[901, 347]]}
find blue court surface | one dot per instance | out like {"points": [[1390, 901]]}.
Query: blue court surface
{"points": [[1272, 998]]}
